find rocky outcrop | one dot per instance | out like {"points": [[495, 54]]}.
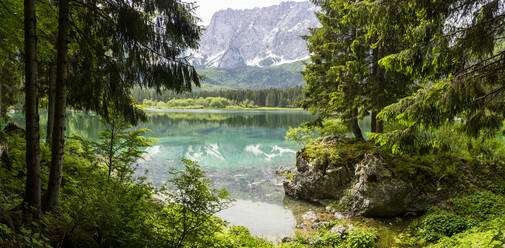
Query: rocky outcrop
{"points": [[356, 187], [375, 191]]}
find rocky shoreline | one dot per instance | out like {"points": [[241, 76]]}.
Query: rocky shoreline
{"points": [[361, 185]]}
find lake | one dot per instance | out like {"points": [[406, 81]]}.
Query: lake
{"points": [[239, 150]]}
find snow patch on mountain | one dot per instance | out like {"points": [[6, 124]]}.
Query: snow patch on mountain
{"points": [[259, 37]]}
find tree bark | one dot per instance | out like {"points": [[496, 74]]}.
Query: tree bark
{"points": [[50, 105], [33, 179], [373, 122], [1, 114], [380, 126], [58, 139], [356, 130], [379, 94]]}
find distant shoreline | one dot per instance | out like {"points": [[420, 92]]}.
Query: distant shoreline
{"points": [[222, 109]]}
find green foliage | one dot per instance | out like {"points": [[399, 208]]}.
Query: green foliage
{"points": [[119, 149], [199, 103], [120, 211], [480, 206], [337, 151], [300, 135], [25, 238], [343, 77], [239, 236], [459, 68], [249, 77], [191, 203], [489, 234], [362, 238], [245, 98], [439, 223], [306, 133], [139, 43]]}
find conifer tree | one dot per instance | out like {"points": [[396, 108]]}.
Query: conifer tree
{"points": [[33, 177], [454, 50], [117, 45], [344, 78]]}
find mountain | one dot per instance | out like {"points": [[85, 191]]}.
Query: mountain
{"points": [[259, 37], [255, 48]]}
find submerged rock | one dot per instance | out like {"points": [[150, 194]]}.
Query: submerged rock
{"points": [[359, 182]]}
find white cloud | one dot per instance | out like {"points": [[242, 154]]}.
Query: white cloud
{"points": [[208, 7]]}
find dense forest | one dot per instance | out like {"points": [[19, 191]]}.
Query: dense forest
{"points": [[428, 74], [289, 97]]}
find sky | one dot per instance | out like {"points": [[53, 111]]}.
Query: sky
{"points": [[209, 7]]}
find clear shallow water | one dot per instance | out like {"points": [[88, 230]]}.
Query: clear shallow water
{"points": [[240, 151]]}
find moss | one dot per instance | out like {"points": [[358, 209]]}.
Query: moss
{"points": [[288, 175], [337, 152]]}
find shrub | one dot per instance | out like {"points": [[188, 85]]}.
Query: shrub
{"points": [[362, 238], [480, 206], [488, 234], [239, 236], [439, 223]]}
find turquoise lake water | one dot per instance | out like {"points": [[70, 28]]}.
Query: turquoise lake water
{"points": [[239, 150]]}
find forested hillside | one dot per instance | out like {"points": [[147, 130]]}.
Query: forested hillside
{"points": [[289, 97], [252, 77]]}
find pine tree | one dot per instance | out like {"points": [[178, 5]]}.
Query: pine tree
{"points": [[454, 50], [33, 177], [118, 45]]}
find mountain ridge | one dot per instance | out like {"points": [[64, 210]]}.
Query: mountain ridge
{"points": [[259, 37]]}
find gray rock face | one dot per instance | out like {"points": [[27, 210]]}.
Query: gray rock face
{"points": [[256, 37], [310, 183], [367, 188], [376, 192]]}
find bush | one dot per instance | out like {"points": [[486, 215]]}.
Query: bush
{"points": [[362, 238], [239, 236], [488, 234], [439, 223], [480, 206], [98, 210]]}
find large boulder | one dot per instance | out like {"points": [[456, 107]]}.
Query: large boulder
{"points": [[311, 183], [375, 191], [359, 182]]}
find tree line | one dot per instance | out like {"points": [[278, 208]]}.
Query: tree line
{"points": [[288, 97]]}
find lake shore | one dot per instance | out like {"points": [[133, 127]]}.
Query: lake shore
{"points": [[221, 109]]}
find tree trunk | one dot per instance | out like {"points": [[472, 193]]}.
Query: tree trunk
{"points": [[379, 94], [58, 139], [380, 126], [356, 130], [33, 178], [50, 105], [373, 122], [1, 114]]}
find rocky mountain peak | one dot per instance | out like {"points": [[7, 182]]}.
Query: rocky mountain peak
{"points": [[256, 37]]}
